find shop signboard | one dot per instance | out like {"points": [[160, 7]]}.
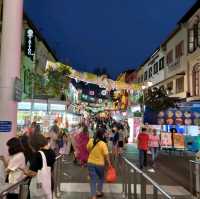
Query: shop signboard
{"points": [[57, 107], [5, 126], [24, 106], [39, 107], [187, 113], [29, 43]]}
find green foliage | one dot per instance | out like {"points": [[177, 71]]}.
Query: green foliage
{"points": [[57, 80], [53, 83], [157, 99]]}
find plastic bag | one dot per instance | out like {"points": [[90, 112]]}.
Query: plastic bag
{"points": [[111, 175]]}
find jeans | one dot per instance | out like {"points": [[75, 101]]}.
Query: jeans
{"points": [[96, 174], [142, 158], [154, 152]]}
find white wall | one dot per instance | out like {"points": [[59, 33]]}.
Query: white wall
{"points": [[158, 77]]}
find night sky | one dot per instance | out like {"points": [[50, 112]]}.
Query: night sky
{"points": [[115, 34]]}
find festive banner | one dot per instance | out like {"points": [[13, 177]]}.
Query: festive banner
{"points": [[102, 81]]}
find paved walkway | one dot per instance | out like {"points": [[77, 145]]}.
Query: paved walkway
{"points": [[75, 181]]}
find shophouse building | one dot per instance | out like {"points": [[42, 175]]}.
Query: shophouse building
{"points": [[176, 68], [167, 66], [35, 53], [153, 69], [191, 20]]}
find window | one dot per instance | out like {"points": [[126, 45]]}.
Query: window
{"points": [[191, 40], [170, 57], [196, 80], [141, 78], [155, 68], [198, 34], [150, 72], [145, 75], [180, 85], [161, 63], [179, 50], [194, 37], [170, 87]]}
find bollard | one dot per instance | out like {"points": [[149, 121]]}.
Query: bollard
{"points": [[129, 182], [155, 193], [143, 186], [135, 184], [191, 177], [123, 180]]}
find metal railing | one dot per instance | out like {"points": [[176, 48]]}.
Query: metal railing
{"points": [[135, 183], [194, 167], [22, 185], [57, 175]]}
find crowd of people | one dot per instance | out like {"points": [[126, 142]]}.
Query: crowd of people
{"points": [[32, 155], [91, 142]]}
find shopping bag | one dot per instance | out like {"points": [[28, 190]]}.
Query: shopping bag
{"points": [[40, 186], [111, 175]]}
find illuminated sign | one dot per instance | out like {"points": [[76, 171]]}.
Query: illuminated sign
{"points": [[29, 43]]}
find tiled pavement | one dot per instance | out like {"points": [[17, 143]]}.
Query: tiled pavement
{"points": [[75, 182]]}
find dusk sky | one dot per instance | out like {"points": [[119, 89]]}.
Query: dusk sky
{"points": [[115, 34]]}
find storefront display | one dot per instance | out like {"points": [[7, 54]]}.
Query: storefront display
{"points": [[165, 140], [179, 142], [187, 113], [44, 114]]}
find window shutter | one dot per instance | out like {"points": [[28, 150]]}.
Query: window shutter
{"points": [[191, 40]]}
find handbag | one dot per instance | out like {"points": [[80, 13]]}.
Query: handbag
{"points": [[111, 175], [40, 185]]}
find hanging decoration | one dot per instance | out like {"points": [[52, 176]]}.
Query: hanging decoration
{"points": [[101, 81], [91, 93], [104, 92]]}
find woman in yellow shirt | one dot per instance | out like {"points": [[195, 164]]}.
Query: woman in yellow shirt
{"points": [[98, 153]]}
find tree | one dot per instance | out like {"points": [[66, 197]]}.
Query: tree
{"points": [[57, 80], [53, 83], [157, 99]]}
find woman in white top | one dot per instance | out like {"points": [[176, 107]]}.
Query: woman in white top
{"points": [[15, 164]]}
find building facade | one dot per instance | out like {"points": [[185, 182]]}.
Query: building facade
{"points": [[175, 50], [153, 68], [35, 61], [35, 53], [192, 23], [176, 64]]}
